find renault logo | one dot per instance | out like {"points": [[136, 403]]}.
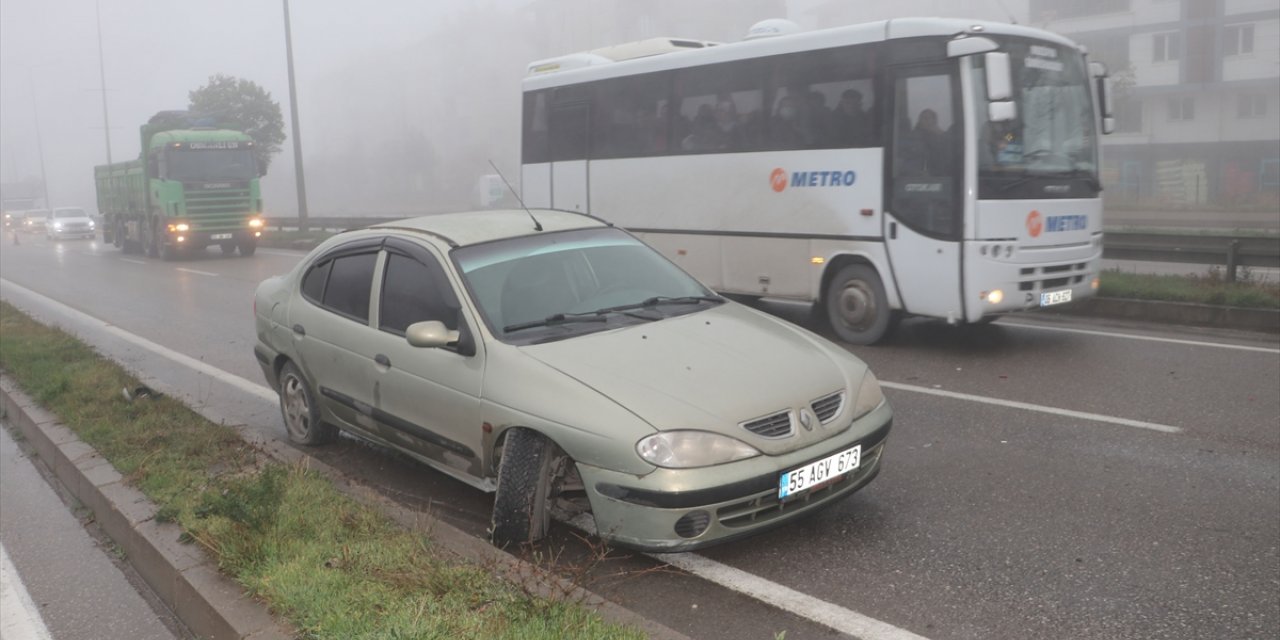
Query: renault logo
{"points": [[806, 420]]}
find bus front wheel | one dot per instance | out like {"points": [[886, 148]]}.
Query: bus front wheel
{"points": [[857, 306]]}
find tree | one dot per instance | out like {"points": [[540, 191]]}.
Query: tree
{"points": [[236, 103]]}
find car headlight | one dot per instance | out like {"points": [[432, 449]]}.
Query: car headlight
{"points": [[92, 224], [57, 225], [688, 449], [869, 396]]}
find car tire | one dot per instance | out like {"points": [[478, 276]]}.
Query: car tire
{"points": [[857, 307], [526, 480], [299, 410]]}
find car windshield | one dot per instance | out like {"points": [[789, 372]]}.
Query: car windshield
{"points": [[69, 213], [560, 284]]}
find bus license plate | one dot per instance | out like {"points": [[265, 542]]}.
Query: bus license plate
{"points": [[220, 236], [820, 472], [1055, 297]]}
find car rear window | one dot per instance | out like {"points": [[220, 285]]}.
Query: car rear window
{"points": [[350, 281]]}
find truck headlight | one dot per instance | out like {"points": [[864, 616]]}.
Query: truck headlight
{"points": [[255, 223], [57, 226], [689, 449]]}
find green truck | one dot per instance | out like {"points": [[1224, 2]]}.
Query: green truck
{"points": [[193, 185]]}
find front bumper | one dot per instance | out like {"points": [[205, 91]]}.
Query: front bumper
{"points": [[78, 232], [673, 510]]}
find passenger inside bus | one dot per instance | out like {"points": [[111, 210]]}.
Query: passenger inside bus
{"points": [[851, 126]]}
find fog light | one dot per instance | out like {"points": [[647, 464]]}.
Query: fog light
{"points": [[817, 260], [692, 524], [257, 234], [995, 297], [181, 239]]}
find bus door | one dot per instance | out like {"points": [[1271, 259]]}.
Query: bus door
{"points": [[570, 136], [923, 209]]}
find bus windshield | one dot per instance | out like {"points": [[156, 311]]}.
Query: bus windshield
{"points": [[1053, 135], [211, 164]]}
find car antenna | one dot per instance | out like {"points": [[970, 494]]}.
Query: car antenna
{"points": [[537, 226]]}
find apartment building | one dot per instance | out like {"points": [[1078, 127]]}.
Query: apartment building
{"points": [[1197, 97]]}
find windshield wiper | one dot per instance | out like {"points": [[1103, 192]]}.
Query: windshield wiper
{"points": [[555, 319], [656, 301]]}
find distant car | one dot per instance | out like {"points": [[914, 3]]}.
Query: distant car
{"points": [[14, 219], [70, 222], [569, 369], [35, 220]]}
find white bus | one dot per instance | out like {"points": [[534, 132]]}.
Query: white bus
{"points": [[932, 167]]}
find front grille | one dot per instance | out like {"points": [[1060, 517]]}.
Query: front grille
{"points": [[1034, 278], [766, 506], [777, 425], [218, 208], [827, 408]]}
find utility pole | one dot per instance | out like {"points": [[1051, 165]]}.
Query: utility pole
{"points": [[102, 73], [35, 111], [297, 138]]}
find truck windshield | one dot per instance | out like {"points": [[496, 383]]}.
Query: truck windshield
{"points": [[211, 164], [1053, 136]]}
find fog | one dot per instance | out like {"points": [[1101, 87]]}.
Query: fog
{"points": [[401, 105]]}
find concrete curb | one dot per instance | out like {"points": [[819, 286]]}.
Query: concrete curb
{"points": [[184, 577], [188, 581], [1199, 315]]}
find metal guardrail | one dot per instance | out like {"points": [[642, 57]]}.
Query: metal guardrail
{"points": [[1229, 251]]}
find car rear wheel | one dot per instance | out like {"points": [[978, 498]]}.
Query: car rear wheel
{"points": [[299, 409], [529, 477]]}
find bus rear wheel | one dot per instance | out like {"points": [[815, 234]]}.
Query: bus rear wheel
{"points": [[857, 307]]}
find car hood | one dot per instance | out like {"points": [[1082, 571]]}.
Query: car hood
{"points": [[710, 370]]}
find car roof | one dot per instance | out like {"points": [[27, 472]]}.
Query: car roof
{"points": [[474, 227]]}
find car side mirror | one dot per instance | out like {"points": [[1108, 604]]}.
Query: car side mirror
{"points": [[430, 334]]}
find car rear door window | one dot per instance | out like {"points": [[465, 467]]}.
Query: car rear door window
{"points": [[313, 282], [350, 282]]}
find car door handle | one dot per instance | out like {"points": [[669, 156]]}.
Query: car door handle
{"points": [[298, 329], [382, 360]]}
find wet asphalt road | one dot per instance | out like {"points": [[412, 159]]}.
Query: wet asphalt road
{"points": [[988, 521]]}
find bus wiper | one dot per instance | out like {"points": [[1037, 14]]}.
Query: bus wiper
{"points": [[554, 319], [1026, 177]]}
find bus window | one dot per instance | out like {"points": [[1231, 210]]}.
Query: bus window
{"points": [[535, 143], [825, 100], [721, 108], [570, 130], [630, 116]]}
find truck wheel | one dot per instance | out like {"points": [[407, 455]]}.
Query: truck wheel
{"points": [[857, 306], [528, 476], [299, 409], [247, 247], [150, 241], [228, 247]]}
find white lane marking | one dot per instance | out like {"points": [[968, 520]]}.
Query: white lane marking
{"points": [[132, 261], [1014, 404], [21, 616], [236, 381], [785, 598], [196, 271], [1130, 336]]}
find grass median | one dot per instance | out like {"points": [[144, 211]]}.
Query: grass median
{"points": [[330, 566], [1210, 289]]}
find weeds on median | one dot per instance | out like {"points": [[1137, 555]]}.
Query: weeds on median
{"points": [[330, 566], [1211, 288]]}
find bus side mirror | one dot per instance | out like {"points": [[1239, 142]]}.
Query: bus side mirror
{"points": [[999, 78], [1102, 85]]}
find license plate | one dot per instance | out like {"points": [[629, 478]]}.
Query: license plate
{"points": [[819, 473], [227, 236], [1055, 297]]}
